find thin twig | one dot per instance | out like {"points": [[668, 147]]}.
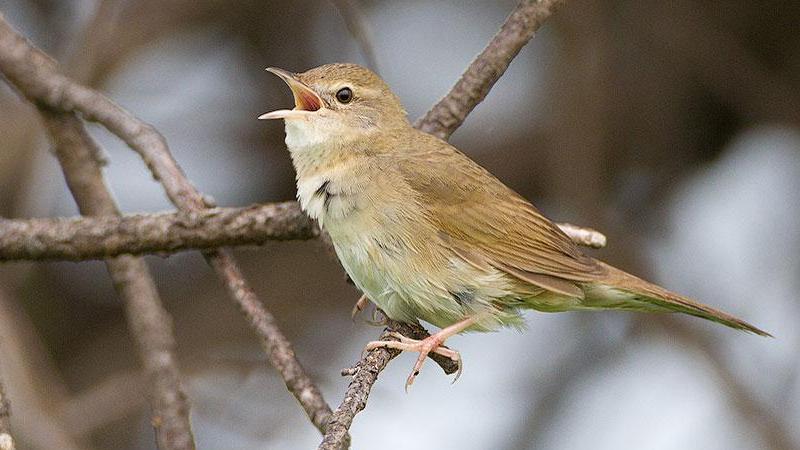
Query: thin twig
{"points": [[84, 238], [33, 73], [150, 324], [278, 348], [519, 27], [442, 120]]}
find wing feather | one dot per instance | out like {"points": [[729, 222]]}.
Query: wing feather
{"points": [[487, 223]]}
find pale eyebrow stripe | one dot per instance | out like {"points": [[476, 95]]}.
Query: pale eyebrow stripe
{"points": [[357, 90]]}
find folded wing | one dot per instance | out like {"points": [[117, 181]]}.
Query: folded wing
{"points": [[487, 223]]}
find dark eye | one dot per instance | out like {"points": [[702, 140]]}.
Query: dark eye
{"points": [[344, 95]]}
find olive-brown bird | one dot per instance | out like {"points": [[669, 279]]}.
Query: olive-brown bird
{"points": [[428, 234]]}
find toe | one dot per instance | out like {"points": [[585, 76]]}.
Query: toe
{"points": [[458, 371], [411, 378]]}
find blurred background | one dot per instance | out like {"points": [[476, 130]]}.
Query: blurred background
{"points": [[673, 127]]}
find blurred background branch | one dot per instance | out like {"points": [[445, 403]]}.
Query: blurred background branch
{"points": [[359, 28], [38, 391], [34, 75], [149, 323], [768, 423]]}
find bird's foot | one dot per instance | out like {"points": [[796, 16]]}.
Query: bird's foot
{"points": [[360, 306], [431, 344]]}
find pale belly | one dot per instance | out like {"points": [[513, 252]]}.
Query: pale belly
{"points": [[391, 256], [420, 281]]}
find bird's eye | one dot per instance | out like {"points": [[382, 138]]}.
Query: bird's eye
{"points": [[344, 95]]}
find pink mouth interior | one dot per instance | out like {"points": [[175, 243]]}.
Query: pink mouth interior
{"points": [[308, 102]]}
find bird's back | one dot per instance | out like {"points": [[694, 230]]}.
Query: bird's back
{"points": [[483, 218]]}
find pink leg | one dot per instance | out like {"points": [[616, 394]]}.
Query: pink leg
{"points": [[432, 343]]}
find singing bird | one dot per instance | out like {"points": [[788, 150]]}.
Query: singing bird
{"points": [[428, 234]]}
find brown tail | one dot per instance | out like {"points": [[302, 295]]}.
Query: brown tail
{"points": [[652, 294]]}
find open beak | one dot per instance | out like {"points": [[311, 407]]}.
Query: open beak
{"points": [[305, 99]]}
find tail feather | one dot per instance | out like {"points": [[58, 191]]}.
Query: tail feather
{"points": [[657, 296]]}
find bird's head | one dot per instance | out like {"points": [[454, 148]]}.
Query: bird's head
{"points": [[337, 100]]}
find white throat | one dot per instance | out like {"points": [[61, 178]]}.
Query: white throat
{"points": [[326, 189], [303, 133]]}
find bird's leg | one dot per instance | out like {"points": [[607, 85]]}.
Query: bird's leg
{"points": [[432, 343]]}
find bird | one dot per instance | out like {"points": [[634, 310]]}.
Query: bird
{"points": [[428, 234]]}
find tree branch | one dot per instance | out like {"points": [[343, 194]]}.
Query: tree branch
{"points": [[150, 324], [473, 86], [278, 348], [365, 374], [36, 77], [79, 239]]}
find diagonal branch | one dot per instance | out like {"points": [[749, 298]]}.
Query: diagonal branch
{"points": [[473, 86], [150, 324], [78, 239], [35, 76], [365, 374]]}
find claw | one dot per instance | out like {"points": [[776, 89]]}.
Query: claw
{"points": [[430, 344], [360, 306], [361, 303], [376, 320]]}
